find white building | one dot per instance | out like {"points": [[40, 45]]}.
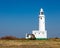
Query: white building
{"points": [[41, 33]]}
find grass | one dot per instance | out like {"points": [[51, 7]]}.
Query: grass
{"points": [[50, 43]]}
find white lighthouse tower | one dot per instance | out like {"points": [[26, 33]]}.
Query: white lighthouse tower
{"points": [[41, 33]]}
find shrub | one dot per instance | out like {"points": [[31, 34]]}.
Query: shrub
{"points": [[9, 38]]}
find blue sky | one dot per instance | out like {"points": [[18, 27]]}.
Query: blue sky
{"points": [[18, 17]]}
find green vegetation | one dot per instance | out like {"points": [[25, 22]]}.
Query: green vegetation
{"points": [[41, 39]]}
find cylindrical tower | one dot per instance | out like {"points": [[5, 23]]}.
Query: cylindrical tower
{"points": [[41, 20]]}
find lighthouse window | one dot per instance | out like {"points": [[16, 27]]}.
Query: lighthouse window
{"points": [[41, 13], [41, 17], [39, 33]]}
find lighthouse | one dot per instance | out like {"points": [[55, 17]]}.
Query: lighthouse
{"points": [[41, 33]]}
